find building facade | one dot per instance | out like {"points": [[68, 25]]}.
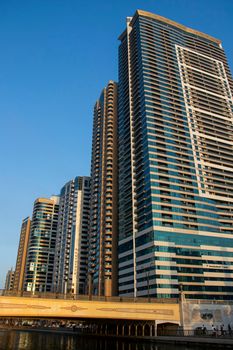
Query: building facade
{"points": [[103, 211], [71, 256], [9, 282], [22, 255], [41, 246], [175, 159]]}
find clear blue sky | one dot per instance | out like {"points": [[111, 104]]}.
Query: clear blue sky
{"points": [[55, 57]]}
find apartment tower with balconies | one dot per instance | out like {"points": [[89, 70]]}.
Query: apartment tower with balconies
{"points": [[22, 255], [103, 211], [175, 160], [71, 255], [9, 281]]}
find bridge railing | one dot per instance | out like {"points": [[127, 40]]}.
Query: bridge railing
{"points": [[69, 296]]}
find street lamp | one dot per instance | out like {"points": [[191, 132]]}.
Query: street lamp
{"points": [[181, 301]]}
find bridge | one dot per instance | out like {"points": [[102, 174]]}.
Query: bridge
{"points": [[116, 315], [111, 315], [11, 306]]}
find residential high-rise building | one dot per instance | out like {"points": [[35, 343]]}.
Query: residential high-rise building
{"points": [[71, 256], [103, 212], [9, 279], [41, 246], [175, 127], [22, 255]]}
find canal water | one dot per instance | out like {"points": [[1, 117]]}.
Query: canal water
{"points": [[23, 340]]}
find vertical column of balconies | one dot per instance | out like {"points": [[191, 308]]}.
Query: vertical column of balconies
{"points": [[83, 246], [110, 193], [126, 260], [104, 183], [95, 194], [22, 254], [59, 256]]}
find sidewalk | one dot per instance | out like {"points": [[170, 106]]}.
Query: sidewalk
{"points": [[197, 340]]}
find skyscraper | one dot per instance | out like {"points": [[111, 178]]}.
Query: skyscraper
{"points": [[41, 246], [22, 255], [103, 212], [175, 159], [9, 280], [71, 255]]}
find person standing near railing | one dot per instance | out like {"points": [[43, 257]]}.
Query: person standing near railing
{"points": [[213, 331], [203, 329], [222, 329]]}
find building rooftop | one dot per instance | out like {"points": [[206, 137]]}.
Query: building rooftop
{"points": [[174, 24]]}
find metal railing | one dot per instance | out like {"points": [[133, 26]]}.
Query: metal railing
{"points": [[69, 296], [198, 332]]}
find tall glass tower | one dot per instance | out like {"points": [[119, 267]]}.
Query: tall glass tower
{"points": [[175, 157], [41, 245]]}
